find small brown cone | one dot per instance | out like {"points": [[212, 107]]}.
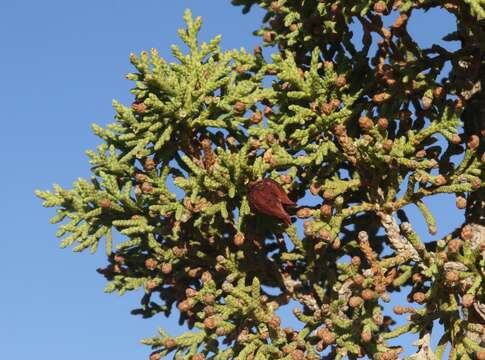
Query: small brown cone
{"points": [[460, 202], [239, 239], [481, 355], [467, 300]]}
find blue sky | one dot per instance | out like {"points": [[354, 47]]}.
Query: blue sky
{"points": [[62, 64]]}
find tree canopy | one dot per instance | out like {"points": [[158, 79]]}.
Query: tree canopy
{"points": [[239, 182]]}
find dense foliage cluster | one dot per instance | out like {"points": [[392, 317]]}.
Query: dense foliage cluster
{"points": [[360, 126]]}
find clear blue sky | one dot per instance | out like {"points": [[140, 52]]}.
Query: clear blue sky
{"points": [[62, 63]]}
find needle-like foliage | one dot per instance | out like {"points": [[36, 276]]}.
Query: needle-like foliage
{"points": [[367, 126]]}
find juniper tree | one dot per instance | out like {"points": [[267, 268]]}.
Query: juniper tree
{"points": [[365, 124]]}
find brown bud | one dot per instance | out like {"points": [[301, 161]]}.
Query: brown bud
{"points": [[268, 156], [206, 277], [146, 188], [119, 259], [149, 164], [257, 50], [304, 213], [452, 276], [390, 355], [324, 234], [387, 145], [341, 81], [178, 251], [421, 154], [476, 183], [336, 243], [398, 310], [391, 82], [155, 356], [199, 356], [268, 36], [454, 246], [460, 202], [211, 322], [297, 354], [166, 268], [367, 294], [139, 177], [315, 189], [417, 278], [220, 331], [442, 256], [255, 143], [458, 104], [366, 336], [359, 280], [355, 301], [308, 228], [440, 180], [293, 27], [326, 108], [138, 107], [335, 8], [419, 297], [327, 337], [209, 310], [383, 123], [151, 264], [105, 203], [189, 292], [193, 273], [184, 306], [329, 194], [274, 322], [270, 138], [256, 117], [208, 299], [365, 123], [466, 232], [380, 7], [473, 142], [356, 261], [381, 97], [335, 103], [326, 210], [267, 111], [340, 130], [467, 300], [239, 239], [116, 268], [287, 179], [424, 179], [150, 284], [481, 355], [381, 289], [483, 158], [239, 107]]}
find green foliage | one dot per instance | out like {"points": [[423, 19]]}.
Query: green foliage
{"points": [[352, 126]]}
